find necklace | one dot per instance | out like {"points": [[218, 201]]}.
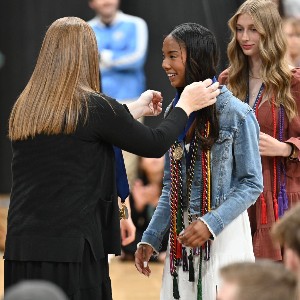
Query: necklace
{"points": [[254, 93], [260, 92], [179, 256]]}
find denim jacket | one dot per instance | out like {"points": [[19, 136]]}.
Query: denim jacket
{"points": [[236, 172]]}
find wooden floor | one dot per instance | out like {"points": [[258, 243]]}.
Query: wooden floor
{"points": [[127, 283]]}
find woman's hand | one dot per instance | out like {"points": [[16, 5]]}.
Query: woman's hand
{"points": [[148, 104], [142, 257], [195, 235], [268, 146], [127, 231], [198, 95], [151, 102]]}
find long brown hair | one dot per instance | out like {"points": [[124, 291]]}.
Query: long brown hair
{"points": [[66, 73], [276, 74]]}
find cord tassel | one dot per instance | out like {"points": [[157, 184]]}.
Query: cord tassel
{"points": [[175, 286], [284, 196], [263, 219], [191, 269], [281, 167], [280, 204], [275, 205], [185, 264], [199, 285], [178, 250], [199, 291], [207, 251]]}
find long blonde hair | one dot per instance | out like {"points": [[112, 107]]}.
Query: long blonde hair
{"points": [[66, 73], [276, 74]]}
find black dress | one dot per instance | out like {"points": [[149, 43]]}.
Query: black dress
{"points": [[63, 217]]}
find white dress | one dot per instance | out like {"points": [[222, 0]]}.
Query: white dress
{"points": [[233, 244]]}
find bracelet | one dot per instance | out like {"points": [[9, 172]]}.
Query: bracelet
{"points": [[123, 212], [293, 154]]}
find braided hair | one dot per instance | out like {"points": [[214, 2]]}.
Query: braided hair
{"points": [[201, 63]]}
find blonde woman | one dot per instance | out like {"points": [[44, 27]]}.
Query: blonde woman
{"points": [[259, 74], [63, 217]]}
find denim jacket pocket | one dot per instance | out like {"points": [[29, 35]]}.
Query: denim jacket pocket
{"points": [[106, 208]]}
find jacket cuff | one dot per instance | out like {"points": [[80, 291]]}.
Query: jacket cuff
{"points": [[209, 228], [151, 240], [214, 222], [155, 252]]}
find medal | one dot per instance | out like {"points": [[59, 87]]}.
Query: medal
{"points": [[123, 212], [177, 152]]}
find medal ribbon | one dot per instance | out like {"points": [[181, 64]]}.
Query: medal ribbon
{"points": [[190, 121], [121, 176]]}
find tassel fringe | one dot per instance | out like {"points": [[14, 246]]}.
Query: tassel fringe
{"points": [[263, 219], [191, 269], [178, 250], [275, 204], [185, 264], [280, 205], [175, 286]]}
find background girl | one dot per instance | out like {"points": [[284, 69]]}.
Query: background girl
{"points": [[259, 74]]}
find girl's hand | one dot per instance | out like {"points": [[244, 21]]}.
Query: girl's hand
{"points": [[142, 257], [127, 231], [268, 146], [195, 235]]}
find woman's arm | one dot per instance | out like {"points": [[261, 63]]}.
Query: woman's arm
{"points": [[159, 224], [110, 121], [269, 146], [112, 124], [160, 221]]}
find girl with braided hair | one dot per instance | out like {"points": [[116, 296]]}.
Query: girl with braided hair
{"points": [[208, 181]]}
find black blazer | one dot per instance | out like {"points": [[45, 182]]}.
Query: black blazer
{"points": [[64, 190]]}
